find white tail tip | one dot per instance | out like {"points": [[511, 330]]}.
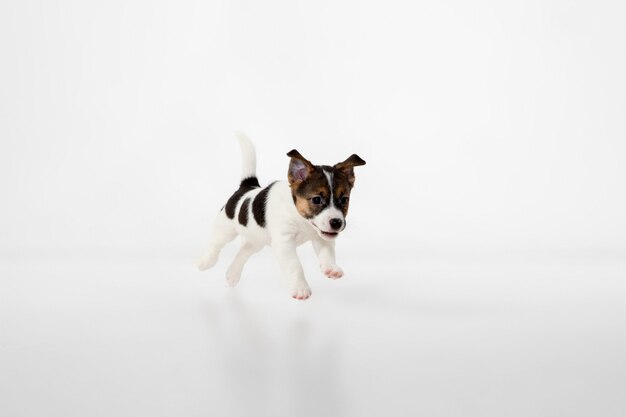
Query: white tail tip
{"points": [[248, 156]]}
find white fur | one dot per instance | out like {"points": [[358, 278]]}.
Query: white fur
{"points": [[284, 231], [248, 156]]}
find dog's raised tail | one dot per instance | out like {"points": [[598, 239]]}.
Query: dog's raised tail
{"points": [[248, 161]]}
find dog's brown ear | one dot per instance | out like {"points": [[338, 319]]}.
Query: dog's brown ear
{"points": [[299, 167], [347, 166]]}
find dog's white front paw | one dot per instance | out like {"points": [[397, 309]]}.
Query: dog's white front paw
{"points": [[232, 277], [208, 260], [332, 271], [301, 292]]}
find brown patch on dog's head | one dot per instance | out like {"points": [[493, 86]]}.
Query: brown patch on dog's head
{"points": [[306, 181], [310, 186], [347, 167]]}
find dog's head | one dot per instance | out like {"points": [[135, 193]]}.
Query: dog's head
{"points": [[321, 193]]}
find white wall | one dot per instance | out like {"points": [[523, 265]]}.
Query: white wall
{"points": [[486, 125]]}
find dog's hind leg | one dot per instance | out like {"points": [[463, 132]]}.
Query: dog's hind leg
{"points": [[222, 233], [234, 270]]}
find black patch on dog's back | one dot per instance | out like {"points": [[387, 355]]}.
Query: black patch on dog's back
{"points": [[243, 212], [258, 205], [249, 182], [246, 185]]}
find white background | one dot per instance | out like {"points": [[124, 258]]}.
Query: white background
{"points": [[492, 203]]}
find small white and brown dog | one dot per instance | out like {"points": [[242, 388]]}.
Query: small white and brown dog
{"points": [[311, 205]]}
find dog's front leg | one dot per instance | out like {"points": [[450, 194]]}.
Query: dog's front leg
{"points": [[325, 251], [285, 252]]}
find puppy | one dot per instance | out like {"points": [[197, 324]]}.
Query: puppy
{"points": [[311, 206]]}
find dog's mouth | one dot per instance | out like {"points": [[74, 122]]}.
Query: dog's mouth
{"points": [[323, 234]]}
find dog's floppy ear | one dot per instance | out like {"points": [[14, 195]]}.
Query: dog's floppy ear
{"points": [[347, 166], [299, 167]]}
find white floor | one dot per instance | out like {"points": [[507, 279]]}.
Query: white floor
{"points": [[440, 337]]}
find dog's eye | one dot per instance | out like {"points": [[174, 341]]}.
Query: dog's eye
{"points": [[317, 200], [343, 201]]}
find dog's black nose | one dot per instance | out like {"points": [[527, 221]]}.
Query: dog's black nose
{"points": [[336, 224]]}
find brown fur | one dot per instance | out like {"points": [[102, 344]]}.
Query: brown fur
{"points": [[302, 191], [315, 183]]}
